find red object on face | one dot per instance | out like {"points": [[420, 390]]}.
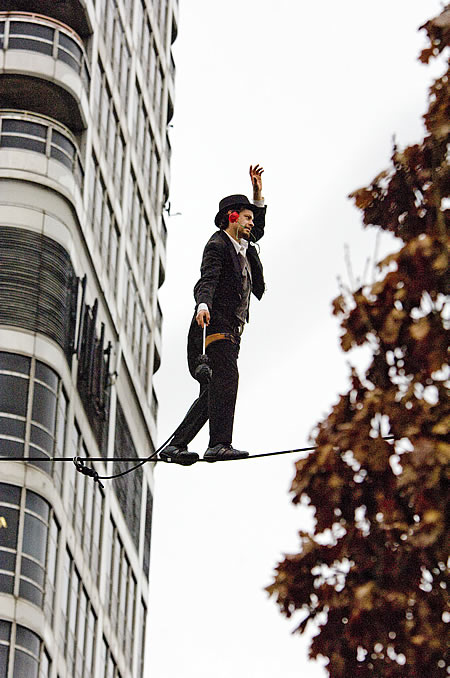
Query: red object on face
{"points": [[234, 216]]}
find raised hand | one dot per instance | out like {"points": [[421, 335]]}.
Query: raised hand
{"points": [[256, 178]]}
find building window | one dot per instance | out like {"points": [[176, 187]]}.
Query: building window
{"points": [[148, 51], [26, 654], [124, 70], [50, 140], [60, 438], [144, 143], [121, 594], [137, 325], [154, 181], [116, 44], [39, 530], [108, 662], [50, 569], [43, 415], [78, 623], [34, 547], [151, 73], [25, 35], [148, 56], [140, 119], [158, 97], [136, 211], [145, 40], [130, 613], [142, 626], [65, 584], [154, 404], [141, 237], [5, 638], [128, 488], [19, 375], [45, 666], [108, 126], [74, 590], [10, 512], [148, 530], [18, 133], [22, 652], [104, 224], [163, 12], [116, 554], [13, 411], [38, 35]]}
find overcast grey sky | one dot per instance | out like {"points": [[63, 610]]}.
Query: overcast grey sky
{"points": [[314, 92]]}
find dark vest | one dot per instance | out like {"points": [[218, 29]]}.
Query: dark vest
{"points": [[243, 307]]}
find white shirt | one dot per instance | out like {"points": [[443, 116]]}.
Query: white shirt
{"points": [[240, 245]]}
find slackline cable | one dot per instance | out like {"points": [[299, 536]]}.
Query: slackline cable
{"points": [[80, 462]]}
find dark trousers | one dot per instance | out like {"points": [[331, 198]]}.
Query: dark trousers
{"points": [[217, 400]]}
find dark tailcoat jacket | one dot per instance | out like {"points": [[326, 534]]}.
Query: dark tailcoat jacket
{"points": [[220, 284]]}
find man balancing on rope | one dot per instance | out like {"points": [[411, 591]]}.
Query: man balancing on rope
{"points": [[230, 272]]}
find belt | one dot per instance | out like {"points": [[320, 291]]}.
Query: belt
{"points": [[220, 335]]}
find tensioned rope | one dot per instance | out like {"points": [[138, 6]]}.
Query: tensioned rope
{"points": [[80, 462]]}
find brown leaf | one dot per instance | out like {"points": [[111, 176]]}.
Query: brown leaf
{"points": [[443, 453], [364, 595], [392, 324], [420, 329], [432, 516], [339, 305], [442, 427]]}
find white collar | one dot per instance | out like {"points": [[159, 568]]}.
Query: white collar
{"points": [[240, 246]]}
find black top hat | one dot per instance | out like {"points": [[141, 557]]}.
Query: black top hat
{"points": [[233, 201]]}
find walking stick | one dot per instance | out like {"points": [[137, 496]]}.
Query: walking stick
{"points": [[203, 370]]}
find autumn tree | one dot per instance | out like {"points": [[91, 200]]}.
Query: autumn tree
{"points": [[371, 573]]}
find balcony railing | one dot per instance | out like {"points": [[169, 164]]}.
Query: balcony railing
{"points": [[37, 33], [36, 133]]}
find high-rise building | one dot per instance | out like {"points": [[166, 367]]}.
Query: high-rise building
{"points": [[86, 96]]}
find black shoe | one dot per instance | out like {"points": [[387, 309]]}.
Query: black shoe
{"points": [[222, 452], [178, 455]]}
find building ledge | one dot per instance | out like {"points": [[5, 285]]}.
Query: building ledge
{"points": [[44, 68], [37, 145], [73, 13]]}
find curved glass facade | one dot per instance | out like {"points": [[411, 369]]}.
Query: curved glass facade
{"points": [[22, 652], [35, 556], [41, 135], [28, 546], [37, 33]]}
